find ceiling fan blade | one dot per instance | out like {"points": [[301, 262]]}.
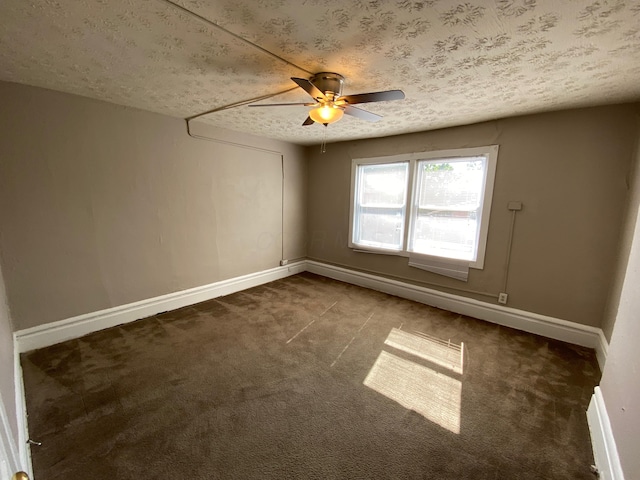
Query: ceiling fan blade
{"points": [[373, 97], [362, 114], [310, 88], [308, 121], [281, 104]]}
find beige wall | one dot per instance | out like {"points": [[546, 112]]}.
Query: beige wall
{"points": [[568, 168], [626, 239], [102, 205], [620, 385], [620, 380]]}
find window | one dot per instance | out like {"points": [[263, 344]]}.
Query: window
{"points": [[381, 205], [428, 205]]}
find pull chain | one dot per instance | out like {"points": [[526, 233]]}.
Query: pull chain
{"points": [[323, 145]]}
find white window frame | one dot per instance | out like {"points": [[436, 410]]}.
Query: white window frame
{"points": [[404, 209], [491, 153]]}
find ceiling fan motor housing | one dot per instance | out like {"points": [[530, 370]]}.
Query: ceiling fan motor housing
{"points": [[328, 83]]}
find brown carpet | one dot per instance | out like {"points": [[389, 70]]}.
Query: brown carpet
{"points": [[309, 378]]}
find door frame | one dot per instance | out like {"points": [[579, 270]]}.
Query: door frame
{"points": [[9, 455]]}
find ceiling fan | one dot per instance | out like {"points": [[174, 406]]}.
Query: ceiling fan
{"points": [[329, 104]]}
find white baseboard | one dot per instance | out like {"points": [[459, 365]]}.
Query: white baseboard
{"points": [[75, 327], [604, 445], [601, 349], [545, 326]]}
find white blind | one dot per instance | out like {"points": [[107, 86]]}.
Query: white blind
{"points": [[458, 269]]}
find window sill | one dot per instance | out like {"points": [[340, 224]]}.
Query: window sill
{"points": [[403, 253]]}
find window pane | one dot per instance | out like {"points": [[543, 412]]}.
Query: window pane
{"points": [[446, 234], [381, 229], [380, 205], [383, 185], [449, 199], [451, 185]]}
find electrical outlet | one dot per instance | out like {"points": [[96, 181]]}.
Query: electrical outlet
{"points": [[502, 298]]}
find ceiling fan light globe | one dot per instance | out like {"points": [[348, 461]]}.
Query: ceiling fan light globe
{"points": [[326, 114]]}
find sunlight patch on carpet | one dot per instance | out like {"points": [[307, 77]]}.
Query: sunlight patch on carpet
{"points": [[440, 352], [433, 394]]}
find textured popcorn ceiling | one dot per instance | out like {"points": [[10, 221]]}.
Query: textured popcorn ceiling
{"points": [[458, 62]]}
